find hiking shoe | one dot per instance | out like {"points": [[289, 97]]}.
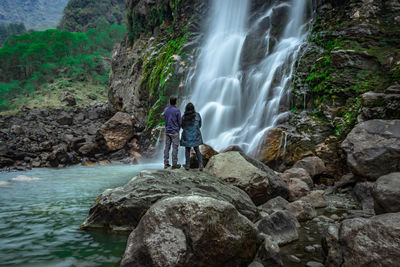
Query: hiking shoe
{"points": [[166, 166], [177, 166], [201, 168], [187, 167]]}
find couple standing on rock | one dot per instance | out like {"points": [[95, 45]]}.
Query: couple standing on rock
{"points": [[191, 135]]}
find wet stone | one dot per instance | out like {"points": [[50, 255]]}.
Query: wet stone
{"points": [[314, 264], [293, 258], [335, 217], [309, 249]]}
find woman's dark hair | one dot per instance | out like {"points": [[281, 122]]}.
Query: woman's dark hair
{"points": [[190, 115]]}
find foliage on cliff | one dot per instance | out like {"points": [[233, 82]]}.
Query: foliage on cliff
{"points": [[354, 48], [149, 66], [28, 61], [11, 29], [83, 15], [35, 14]]}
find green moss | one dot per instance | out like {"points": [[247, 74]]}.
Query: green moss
{"points": [[349, 114], [159, 77]]}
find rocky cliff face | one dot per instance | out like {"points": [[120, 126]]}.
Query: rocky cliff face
{"points": [[83, 15], [150, 64], [348, 73], [354, 48]]}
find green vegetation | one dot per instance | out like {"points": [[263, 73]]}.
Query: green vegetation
{"points": [[162, 15], [35, 14], [83, 15], [159, 76], [30, 61], [11, 29], [51, 95]]}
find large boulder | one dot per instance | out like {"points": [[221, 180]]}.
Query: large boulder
{"points": [[364, 242], [121, 209], [313, 165], [298, 173], [118, 131], [386, 193], [281, 226], [191, 231], [373, 148], [297, 188], [256, 180]]}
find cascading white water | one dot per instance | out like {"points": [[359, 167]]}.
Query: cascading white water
{"points": [[238, 105]]}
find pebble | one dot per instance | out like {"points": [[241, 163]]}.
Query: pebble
{"points": [[340, 204], [331, 209], [255, 264], [293, 258], [324, 218], [310, 239], [314, 264], [335, 217], [317, 246], [309, 249]]}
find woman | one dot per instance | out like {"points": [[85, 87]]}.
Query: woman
{"points": [[191, 135]]}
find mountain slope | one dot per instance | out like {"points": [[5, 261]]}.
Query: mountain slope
{"points": [[35, 14], [82, 15]]}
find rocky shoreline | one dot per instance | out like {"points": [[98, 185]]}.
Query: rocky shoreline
{"points": [[64, 136], [174, 215]]}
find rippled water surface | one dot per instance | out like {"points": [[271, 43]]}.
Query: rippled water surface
{"points": [[39, 220]]}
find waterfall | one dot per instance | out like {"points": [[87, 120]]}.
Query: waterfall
{"points": [[238, 100]]}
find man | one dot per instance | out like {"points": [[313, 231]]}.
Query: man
{"points": [[173, 123]]}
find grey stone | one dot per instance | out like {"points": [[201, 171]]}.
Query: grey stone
{"points": [[64, 118], [281, 226], [275, 204], [386, 193], [362, 192], [298, 173], [297, 188], [234, 168], [313, 165], [191, 231], [373, 148], [294, 259], [120, 209], [314, 264], [315, 198], [303, 211], [268, 253], [364, 242], [309, 249]]}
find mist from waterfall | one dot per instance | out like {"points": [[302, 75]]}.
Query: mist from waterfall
{"points": [[240, 103]]}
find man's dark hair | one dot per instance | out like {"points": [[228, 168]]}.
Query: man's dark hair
{"points": [[172, 100]]}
